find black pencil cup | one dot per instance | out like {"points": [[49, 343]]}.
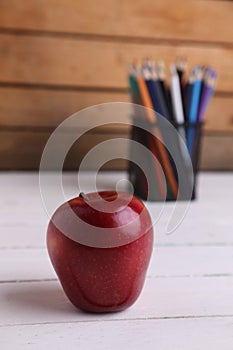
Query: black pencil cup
{"points": [[164, 159]]}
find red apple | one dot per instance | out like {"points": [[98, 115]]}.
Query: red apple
{"points": [[100, 245]]}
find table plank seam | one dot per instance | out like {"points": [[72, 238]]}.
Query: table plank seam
{"points": [[181, 317], [164, 245], [218, 275]]}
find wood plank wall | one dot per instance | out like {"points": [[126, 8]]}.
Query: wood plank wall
{"points": [[59, 56]]}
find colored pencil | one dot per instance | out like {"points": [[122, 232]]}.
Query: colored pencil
{"points": [[195, 98], [166, 93], [146, 102], [176, 96], [184, 103], [206, 93], [181, 66], [142, 137]]}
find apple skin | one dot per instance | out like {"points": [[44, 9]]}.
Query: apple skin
{"points": [[99, 279]]}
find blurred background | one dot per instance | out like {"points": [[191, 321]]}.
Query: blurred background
{"points": [[60, 56]]}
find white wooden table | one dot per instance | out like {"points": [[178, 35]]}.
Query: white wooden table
{"points": [[187, 301]]}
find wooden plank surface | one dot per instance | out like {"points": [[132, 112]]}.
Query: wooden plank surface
{"points": [[187, 297], [59, 57], [219, 115], [44, 107], [26, 229], [167, 261], [79, 62], [166, 334], [217, 153], [23, 150], [193, 20], [48, 108], [45, 302]]}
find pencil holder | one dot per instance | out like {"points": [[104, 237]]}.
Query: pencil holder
{"points": [[166, 166]]}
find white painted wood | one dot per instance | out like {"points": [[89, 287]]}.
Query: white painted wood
{"points": [[170, 334], [166, 261], [40, 302], [25, 265], [21, 237], [209, 220], [187, 299], [22, 212], [191, 261]]}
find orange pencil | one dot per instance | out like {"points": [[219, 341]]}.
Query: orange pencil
{"points": [[151, 117]]}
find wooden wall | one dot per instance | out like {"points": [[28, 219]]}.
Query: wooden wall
{"points": [[59, 56]]}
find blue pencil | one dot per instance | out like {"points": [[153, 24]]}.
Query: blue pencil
{"points": [[154, 98], [187, 98], [195, 98], [207, 92], [196, 83], [155, 91]]}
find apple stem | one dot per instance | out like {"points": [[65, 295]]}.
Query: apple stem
{"points": [[83, 196]]}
